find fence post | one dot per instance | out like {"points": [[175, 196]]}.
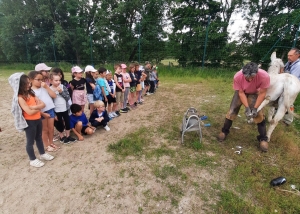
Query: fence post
{"points": [[296, 37], [205, 44], [139, 41], [27, 54], [91, 45], [53, 46]]}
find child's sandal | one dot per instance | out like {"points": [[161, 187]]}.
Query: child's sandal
{"points": [[54, 146], [50, 149]]}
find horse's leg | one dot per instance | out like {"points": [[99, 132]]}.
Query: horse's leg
{"points": [[271, 112], [264, 103], [273, 123]]}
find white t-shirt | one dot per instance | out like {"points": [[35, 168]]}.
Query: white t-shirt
{"points": [[43, 95], [59, 101]]}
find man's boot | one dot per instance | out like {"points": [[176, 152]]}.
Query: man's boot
{"points": [[262, 137], [225, 130]]}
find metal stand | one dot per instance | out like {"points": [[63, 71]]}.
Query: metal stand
{"points": [[191, 122]]}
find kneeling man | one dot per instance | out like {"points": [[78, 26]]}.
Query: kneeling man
{"points": [[250, 85]]}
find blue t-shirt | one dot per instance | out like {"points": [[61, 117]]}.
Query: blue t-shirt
{"points": [[75, 119], [102, 83]]}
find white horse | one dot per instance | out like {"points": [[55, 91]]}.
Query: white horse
{"points": [[283, 89]]}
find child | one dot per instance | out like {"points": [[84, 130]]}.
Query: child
{"points": [[61, 109], [44, 93], [77, 85], [62, 79], [126, 80], [118, 78], [133, 77], [152, 82], [102, 82], [99, 116], [79, 122], [26, 109], [111, 98], [90, 74], [142, 79], [44, 70]]}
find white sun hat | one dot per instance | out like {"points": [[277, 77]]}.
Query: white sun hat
{"points": [[42, 67], [90, 68]]}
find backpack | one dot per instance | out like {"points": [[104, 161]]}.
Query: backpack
{"points": [[97, 92]]}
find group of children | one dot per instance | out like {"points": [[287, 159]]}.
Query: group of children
{"points": [[44, 100]]}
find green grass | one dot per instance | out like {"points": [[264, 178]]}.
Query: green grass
{"points": [[246, 188]]}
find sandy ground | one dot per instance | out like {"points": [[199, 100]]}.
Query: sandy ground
{"points": [[84, 177]]}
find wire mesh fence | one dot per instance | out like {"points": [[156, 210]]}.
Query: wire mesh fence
{"points": [[195, 48]]}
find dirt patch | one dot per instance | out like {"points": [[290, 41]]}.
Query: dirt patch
{"points": [[85, 178]]}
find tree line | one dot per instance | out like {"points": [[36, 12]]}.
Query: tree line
{"points": [[190, 31]]}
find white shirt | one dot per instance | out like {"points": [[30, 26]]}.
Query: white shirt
{"points": [[59, 101], [43, 95]]}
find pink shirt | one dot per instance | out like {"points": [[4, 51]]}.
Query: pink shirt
{"points": [[260, 81], [126, 76]]}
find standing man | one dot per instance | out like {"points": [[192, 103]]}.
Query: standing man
{"points": [[250, 85], [292, 67]]}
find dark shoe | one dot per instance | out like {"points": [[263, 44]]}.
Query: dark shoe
{"points": [[221, 137], [127, 108], [71, 140], [123, 111], [263, 145], [135, 103], [66, 141], [118, 113], [62, 139]]}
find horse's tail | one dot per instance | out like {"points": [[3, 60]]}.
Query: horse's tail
{"points": [[286, 96]]}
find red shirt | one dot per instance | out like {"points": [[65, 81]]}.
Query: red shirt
{"points": [[260, 81]]}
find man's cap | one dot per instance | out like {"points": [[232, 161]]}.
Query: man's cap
{"points": [[250, 69]]}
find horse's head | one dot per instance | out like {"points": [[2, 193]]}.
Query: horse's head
{"points": [[275, 65]]}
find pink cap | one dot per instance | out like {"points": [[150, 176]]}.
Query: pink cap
{"points": [[42, 67], [76, 69], [123, 66]]}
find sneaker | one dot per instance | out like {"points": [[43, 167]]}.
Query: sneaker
{"points": [[115, 114], [127, 108], [106, 128], [263, 145], [71, 139], [66, 141], [36, 163], [62, 139], [135, 103], [123, 111], [111, 115], [148, 93], [46, 156]]}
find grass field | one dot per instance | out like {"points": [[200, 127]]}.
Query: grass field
{"points": [[208, 175]]}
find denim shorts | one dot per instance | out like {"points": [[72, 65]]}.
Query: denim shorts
{"points": [[90, 98], [51, 112]]}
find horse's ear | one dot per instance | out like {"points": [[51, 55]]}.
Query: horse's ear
{"points": [[273, 56]]}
